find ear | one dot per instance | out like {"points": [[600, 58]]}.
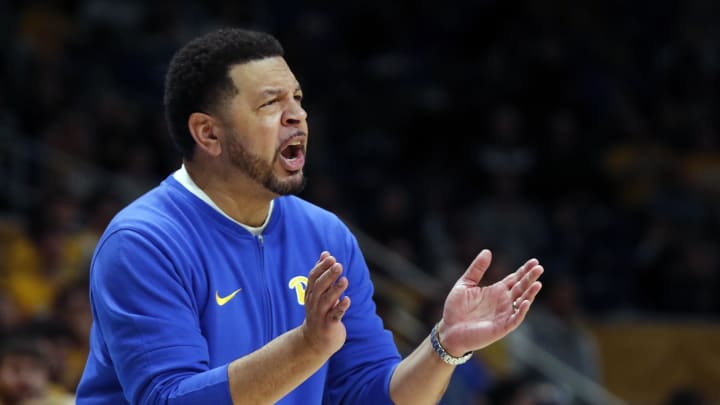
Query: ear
{"points": [[203, 129]]}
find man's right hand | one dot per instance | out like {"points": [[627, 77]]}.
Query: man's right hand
{"points": [[301, 351], [323, 329]]}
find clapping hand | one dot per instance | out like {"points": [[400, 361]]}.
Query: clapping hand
{"points": [[324, 307], [475, 316]]}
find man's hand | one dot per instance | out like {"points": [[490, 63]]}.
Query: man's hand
{"points": [[323, 329], [475, 316], [268, 374]]}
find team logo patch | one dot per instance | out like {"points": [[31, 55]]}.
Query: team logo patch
{"points": [[299, 284]]}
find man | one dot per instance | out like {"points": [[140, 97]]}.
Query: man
{"points": [[200, 289]]}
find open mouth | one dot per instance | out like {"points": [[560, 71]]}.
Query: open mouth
{"points": [[292, 150], [292, 155]]}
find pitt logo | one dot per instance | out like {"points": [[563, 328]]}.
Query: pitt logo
{"points": [[299, 284]]}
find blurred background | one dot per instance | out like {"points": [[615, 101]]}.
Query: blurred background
{"points": [[584, 133]]}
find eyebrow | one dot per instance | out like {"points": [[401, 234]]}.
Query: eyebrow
{"points": [[275, 91]]}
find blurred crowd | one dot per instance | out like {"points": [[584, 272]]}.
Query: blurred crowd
{"points": [[582, 133]]}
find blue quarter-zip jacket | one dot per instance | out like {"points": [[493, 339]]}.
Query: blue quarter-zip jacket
{"points": [[178, 291]]}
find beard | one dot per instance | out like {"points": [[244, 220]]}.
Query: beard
{"points": [[261, 171]]}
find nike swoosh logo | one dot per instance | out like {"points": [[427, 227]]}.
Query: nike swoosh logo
{"points": [[224, 300]]}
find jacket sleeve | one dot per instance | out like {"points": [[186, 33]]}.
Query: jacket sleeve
{"points": [[360, 372], [147, 313]]}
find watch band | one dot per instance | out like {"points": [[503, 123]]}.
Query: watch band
{"points": [[444, 355]]}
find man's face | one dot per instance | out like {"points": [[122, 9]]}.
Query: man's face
{"points": [[265, 127]]}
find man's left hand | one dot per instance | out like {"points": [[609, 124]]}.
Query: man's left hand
{"points": [[475, 316]]}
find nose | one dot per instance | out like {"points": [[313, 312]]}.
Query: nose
{"points": [[294, 115]]}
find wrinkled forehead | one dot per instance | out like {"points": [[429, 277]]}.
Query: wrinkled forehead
{"points": [[255, 76]]}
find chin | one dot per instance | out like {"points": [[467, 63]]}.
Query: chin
{"points": [[292, 184]]}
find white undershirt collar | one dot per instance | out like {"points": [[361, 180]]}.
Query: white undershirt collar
{"points": [[183, 177]]}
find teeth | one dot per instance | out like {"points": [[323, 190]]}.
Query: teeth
{"points": [[295, 143]]}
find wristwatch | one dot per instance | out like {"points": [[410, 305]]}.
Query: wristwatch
{"points": [[444, 355]]}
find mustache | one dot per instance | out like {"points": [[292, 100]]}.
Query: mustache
{"points": [[296, 134]]}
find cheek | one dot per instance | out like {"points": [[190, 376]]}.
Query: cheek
{"points": [[265, 138], [262, 146], [259, 135]]}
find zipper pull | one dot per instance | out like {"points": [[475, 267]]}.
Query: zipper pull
{"points": [[261, 239]]}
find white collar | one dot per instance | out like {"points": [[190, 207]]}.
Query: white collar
{"points": [[183, 177]]}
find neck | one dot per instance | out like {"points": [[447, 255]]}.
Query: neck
{"points": [[240, 197]]}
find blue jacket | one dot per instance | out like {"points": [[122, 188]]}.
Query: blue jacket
{"points": [[178, 291]]}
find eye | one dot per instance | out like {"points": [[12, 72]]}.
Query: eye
{"points": [[298, 97], [268, 103]]}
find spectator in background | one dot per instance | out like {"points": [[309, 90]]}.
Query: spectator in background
{"points": [[99, 209], [10, 316], [394, 218], [25, 374], [72, 309], [54, 339], [44, 260], [695, 290]]}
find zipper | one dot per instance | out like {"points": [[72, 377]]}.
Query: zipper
{"points": [[268, 299]]}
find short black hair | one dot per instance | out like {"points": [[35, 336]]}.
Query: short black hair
{"points": [[197, 79]]}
